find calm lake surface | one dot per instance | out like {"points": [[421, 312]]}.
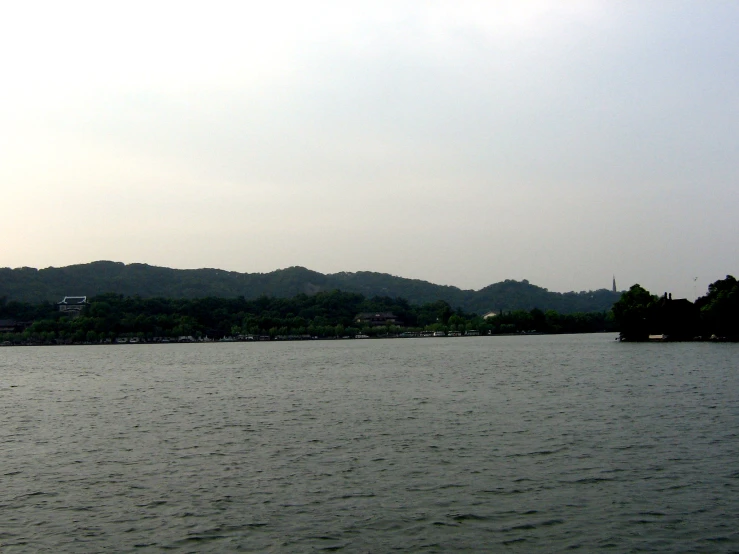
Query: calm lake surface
{"points": [[503, 444]]}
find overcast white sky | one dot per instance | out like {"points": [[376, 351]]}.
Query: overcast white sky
{"points": [[458, 142]]}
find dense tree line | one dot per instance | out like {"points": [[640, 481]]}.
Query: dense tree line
{"points": [[53, 283], [640, 314], [326, 314]]}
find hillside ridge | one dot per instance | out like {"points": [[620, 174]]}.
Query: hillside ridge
{"points": [[53, 283]]}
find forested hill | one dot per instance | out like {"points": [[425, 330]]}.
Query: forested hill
{"points": [[52, 284]]}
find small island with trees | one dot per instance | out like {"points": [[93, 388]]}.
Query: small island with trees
{"points": [[642, 316]]}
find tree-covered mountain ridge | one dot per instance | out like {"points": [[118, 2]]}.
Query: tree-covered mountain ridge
{"points": [[53, 283]]}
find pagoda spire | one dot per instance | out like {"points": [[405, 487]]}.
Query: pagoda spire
{"points": [[614, 284]]}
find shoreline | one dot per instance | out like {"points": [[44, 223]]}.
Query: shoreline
{"points": [[206, 340]]}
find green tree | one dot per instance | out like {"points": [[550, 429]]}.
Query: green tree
{"points": [[720, 308], [631, 313]]}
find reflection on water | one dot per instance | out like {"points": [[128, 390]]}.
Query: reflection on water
{"points": [[506, 443]]}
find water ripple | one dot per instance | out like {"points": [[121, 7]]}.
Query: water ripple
{"points": [[521, 444]]}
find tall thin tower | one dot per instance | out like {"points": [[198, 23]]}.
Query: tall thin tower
{"points": [[614, 284]]}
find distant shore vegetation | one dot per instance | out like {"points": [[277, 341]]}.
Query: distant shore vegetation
{"points": [[638, 315], [333, 314]]}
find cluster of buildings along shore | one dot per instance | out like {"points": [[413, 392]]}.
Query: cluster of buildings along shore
{"points": [[73, 306]]}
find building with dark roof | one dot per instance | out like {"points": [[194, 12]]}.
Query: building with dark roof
{"points": [[8, 326], [677, 319], [72, 304], [376, 319]]}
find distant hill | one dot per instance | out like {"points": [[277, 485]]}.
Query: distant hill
{"points": [[53, 283]]}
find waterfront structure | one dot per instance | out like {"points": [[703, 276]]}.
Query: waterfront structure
{"points": [[374, 319], [8, 326], [72, 305]]}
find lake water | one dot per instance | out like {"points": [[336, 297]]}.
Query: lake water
{"points": [[515, 444]]}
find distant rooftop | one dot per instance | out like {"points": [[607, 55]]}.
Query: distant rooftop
{"points": [[74, 300]]}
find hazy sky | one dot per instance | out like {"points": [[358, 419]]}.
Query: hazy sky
{"points": [[458, 142]]}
